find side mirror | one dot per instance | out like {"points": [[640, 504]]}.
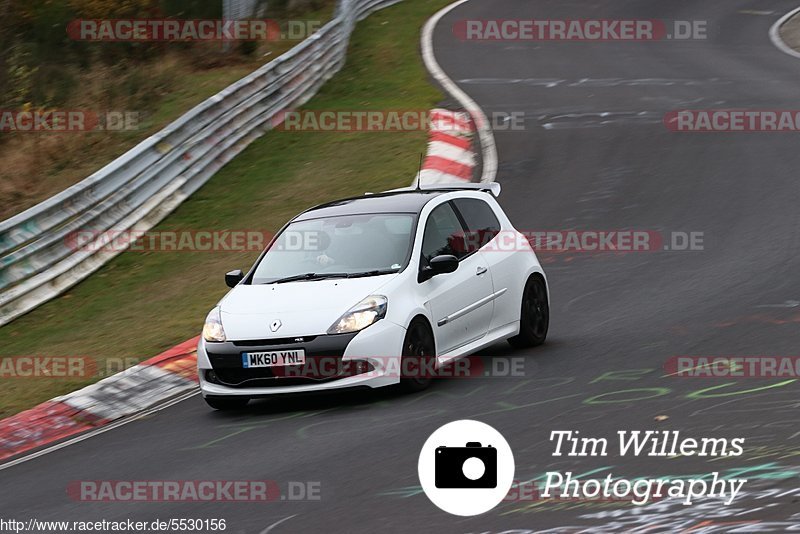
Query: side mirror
{"points": [[444, 264], [233, 278]]}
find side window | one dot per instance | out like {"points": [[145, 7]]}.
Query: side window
{"points": [[482, 224], [443, 234]]}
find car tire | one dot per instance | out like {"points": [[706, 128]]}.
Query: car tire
{"points": [[534, 319], [420, 345], [227, 404]]}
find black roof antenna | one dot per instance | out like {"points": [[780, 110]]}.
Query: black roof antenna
{"points": [[419, 174]]}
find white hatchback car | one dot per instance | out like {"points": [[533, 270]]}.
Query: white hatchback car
{"points": [[369, 291]]}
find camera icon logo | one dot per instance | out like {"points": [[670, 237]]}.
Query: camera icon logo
{"points": [[466, 468], [472, 466]]}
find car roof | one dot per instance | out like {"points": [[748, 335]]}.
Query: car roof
{"points": [[391, 202], [406, 200]]}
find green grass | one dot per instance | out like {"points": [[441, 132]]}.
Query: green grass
{"points": [[145, 302]]}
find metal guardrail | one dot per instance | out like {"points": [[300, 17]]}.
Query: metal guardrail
{"points": [[140, 188]]}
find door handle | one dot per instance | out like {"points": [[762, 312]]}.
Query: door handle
{"points": [[481, 270]]}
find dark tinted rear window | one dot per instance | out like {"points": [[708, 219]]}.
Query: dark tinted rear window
{"points": [[482, 224]]}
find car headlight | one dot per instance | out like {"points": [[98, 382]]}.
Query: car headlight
{"points": [[360, 316], [212, 330]]}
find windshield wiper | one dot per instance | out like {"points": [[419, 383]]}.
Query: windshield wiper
{"points": [[309, 276], [377, 272], [325, 276]]}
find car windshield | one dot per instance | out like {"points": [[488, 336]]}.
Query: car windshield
{"points": [[338, 247]]}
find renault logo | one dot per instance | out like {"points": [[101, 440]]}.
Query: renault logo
{"points": [[276, 324]]}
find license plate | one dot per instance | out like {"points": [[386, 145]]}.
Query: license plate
{"points": [[279, 358]]}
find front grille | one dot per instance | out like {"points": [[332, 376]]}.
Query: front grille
{"points": [[323, 362], [273, 342]]}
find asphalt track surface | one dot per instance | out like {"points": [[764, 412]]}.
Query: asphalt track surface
{"points": [[595, 155]]}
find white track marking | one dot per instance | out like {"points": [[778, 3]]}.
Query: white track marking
{"points": [[273, 525], [433, 177], [484, 128], [451, 153], [775, 34], [92, 433]]}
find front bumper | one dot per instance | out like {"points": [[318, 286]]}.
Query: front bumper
{"points": [[374, 353]]}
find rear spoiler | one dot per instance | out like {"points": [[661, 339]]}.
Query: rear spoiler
{"points": [[491, 187]]}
